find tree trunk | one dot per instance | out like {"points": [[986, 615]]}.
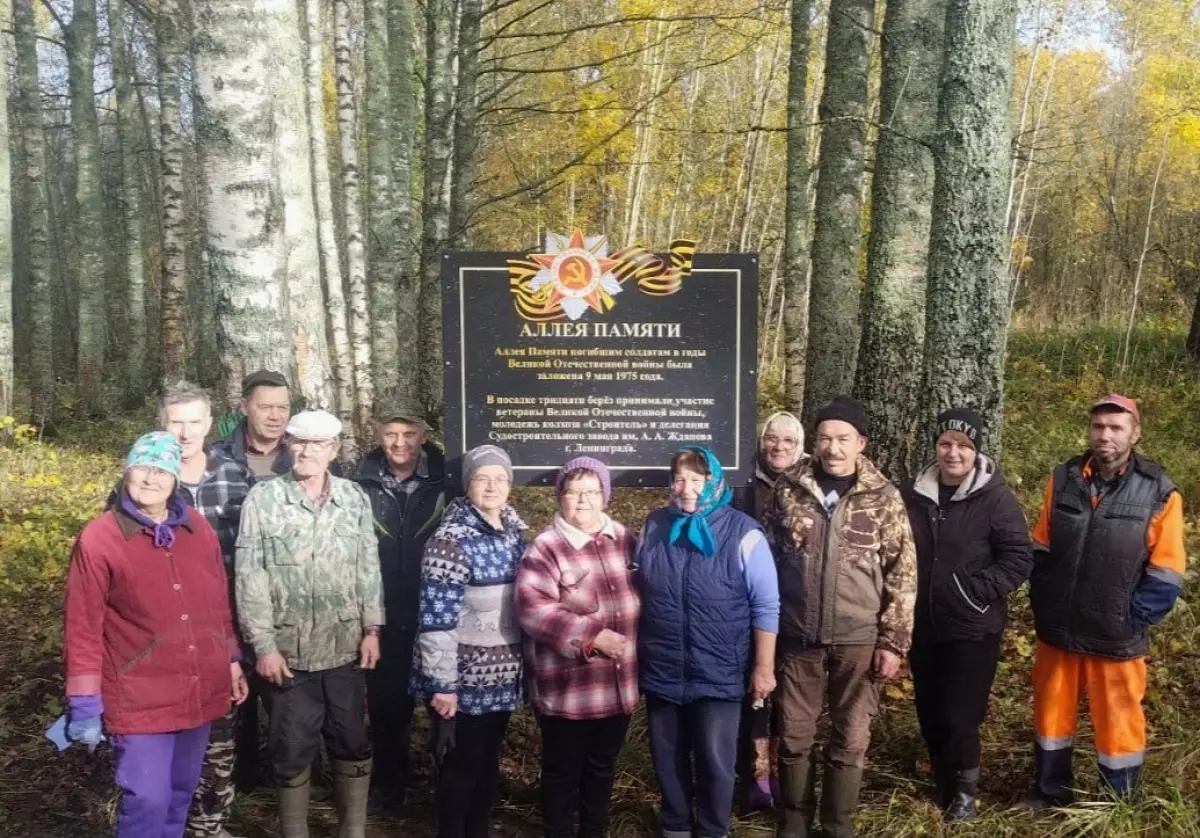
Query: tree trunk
{"points": [[405, 116], [966, 319], [131, 206], [439, 142], [42, 328], [327, 245], [244, 247], [6, 247], [356, 260], [795, 224], [170, 31], [306, 301], [89, 265], [1193, 338], [890, 360], [466, 110], [837, 214]]}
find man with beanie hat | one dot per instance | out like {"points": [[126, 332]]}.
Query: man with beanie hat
{"points": [[405, 479], [1108, 563], [973, 550], [847, 583]]}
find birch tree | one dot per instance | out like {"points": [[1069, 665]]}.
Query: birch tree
{"points": [[405, 117], [243, 214], [89, 264], [795, 224], [466, 110], [6, 249], [837, 213], [170, 33], [966, 319], [890, 364]]}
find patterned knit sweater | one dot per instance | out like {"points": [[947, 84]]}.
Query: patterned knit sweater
{"points": [[469, 641]]}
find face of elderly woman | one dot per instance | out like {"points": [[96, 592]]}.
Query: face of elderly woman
{"points": [[582, 503], [781, 445], [688, 486], [149, 488], [311, 457], [489, 488], [955, 457]]}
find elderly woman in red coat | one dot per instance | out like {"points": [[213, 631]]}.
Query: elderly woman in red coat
{"points": [[150, 650]]}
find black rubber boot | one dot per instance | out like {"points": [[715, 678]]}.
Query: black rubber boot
{"points": [[293, 805], [351, 785], [961, 806], [797, 786], [839, 798]]}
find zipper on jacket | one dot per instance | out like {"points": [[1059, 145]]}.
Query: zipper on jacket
{"points": [[935, 519], [828, 514]]}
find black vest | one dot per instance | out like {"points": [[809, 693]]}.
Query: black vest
{"points": [[1082, 588]]}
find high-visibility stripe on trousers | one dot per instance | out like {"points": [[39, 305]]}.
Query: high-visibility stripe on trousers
{"points": [[1115, 689]]}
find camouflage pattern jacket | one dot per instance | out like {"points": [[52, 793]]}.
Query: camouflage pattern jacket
{"points": [[848, 575], [308, 579]]}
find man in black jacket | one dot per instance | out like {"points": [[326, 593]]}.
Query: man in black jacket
{"points": [[406, 482]]}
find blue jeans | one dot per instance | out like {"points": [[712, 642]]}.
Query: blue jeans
{"points": [[694, 740]]}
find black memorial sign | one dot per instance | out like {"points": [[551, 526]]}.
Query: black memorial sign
{"points": [[629, 385]]}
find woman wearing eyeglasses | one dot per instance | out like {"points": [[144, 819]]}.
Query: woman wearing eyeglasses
{"points": [[578, 607], [467, 662]]}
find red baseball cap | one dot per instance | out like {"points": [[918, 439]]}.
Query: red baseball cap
{"points": [[1122, 402]]}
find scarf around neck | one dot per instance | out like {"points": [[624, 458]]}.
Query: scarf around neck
{"points": [[694, 525], [164, 533]]}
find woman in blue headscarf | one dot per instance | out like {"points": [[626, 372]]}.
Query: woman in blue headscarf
{"points": [[710, 612]]}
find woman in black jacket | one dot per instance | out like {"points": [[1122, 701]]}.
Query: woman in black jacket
{"points": [[973, 550]]}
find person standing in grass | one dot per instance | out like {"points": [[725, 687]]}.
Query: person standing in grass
{"points": [[468, 662], [578, 607], [780, 447], [1108, 563], [973, 550], [710, 612], [149, 645], [847, 582]]}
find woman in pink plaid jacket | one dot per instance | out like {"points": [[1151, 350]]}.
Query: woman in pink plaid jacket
{"points": [[579, 609]]}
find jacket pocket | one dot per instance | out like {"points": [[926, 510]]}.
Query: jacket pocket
{"points": [[287, 636], [140, 656], [282, 551], [577, 594], [348, 631], [962, 592]]}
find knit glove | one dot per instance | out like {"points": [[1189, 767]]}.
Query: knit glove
{"points": [[84, 713]]}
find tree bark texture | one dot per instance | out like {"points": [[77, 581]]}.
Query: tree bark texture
{"points": [[405, 117], [6, 245], [135, 384], [891, 358], [966, 319], [466, 112], [837, 213], [439, 142], [356, 260], [170, 30], [795, 233], [243, 211], [42, 330], [89, 265]]}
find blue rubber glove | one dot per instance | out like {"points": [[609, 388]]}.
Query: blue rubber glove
{"points": [[87, 732]]}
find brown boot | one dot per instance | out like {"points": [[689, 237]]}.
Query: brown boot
{"points": [[351, 785], [293, 805]]}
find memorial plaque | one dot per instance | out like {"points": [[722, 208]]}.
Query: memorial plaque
{"points": [[625, 358]]}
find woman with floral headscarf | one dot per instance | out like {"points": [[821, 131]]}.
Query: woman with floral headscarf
{"points": [[710, 612]]}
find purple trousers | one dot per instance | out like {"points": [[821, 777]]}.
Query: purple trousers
{"points": [[157, 774]]}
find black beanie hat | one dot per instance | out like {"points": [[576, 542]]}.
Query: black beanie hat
{"points": [[964, 420], [845, 409]]}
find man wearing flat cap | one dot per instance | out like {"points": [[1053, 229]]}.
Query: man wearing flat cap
{"points": [[847, 583], [405, 479], [1108, 562], [309, 599]]}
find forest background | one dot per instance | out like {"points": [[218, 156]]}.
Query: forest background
{"points": [[970, 200]]}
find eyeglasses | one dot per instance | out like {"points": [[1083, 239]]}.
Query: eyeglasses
{"points": [[783, 442], [313, 444], [586, 494], [490, 482], [154, 476]]}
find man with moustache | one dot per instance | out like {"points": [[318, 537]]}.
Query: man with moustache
{"points": [[405, 479], [847, 584], [1108, 563]]}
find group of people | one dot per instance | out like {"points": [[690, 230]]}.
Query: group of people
{"points": [[250, 569]]}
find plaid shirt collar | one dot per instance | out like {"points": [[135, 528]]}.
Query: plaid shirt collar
{"points": [[579, 539]]}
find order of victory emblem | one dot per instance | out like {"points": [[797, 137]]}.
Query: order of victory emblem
{"points": [[576, 273]]}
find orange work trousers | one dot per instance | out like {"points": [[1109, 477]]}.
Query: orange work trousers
{"points": [[1115, 689]]}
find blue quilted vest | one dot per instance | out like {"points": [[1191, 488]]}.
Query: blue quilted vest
{"points": [[694, 634]]}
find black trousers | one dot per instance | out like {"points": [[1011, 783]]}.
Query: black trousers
{"points": [[469, 775], [391, 708], [325, 705], [952, 682], [579, 762]]}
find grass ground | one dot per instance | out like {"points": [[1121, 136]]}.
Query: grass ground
{"points": [[47, 492]]}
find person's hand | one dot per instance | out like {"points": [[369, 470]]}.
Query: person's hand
{"points": [[887, 665], [273, 668], [368, 651], [445, 704], [610, 644], [762, 683], [87, 732], [239, 688]]}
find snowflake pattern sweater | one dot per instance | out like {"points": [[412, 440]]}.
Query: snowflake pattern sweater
{"points": [[470, 641]]}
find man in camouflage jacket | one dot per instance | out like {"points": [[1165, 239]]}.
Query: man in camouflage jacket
{"points": [[847, 583], [309, 602]]}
